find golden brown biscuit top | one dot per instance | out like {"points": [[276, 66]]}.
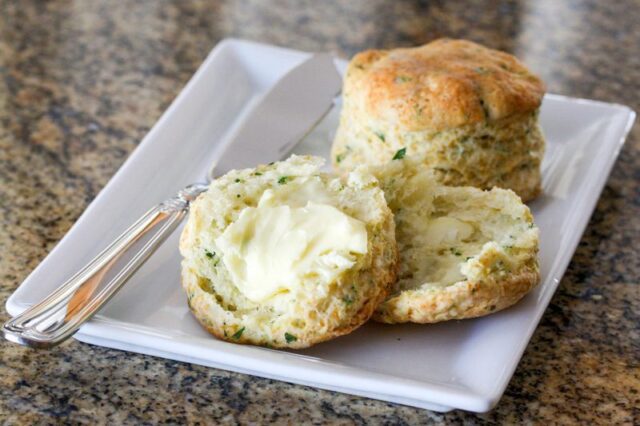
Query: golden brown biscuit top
{"points": [[443, 84]]}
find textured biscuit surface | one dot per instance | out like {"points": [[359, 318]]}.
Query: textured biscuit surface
{"points": [[472, 110], [316, 310], [464, 252]]}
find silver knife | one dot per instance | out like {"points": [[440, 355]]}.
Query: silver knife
{"points": [[283, 117]]}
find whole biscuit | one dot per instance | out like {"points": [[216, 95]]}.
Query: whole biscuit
{"points": [[473, 112]]}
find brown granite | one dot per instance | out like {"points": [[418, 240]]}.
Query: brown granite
{"points": [[81, 82]]}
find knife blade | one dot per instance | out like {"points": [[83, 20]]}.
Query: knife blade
{"points": [[284, 115]]}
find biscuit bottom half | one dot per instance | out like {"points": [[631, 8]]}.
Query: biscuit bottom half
{"points": [[464, 252]]}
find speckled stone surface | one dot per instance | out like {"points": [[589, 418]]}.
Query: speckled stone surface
{"points": [[81, 82]]}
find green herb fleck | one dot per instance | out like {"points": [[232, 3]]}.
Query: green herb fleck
{"points": [[212, 255], [455, 251], [283, 179], [340, 157], [348, 300], [380, 135], [238, 333], [257, 174], [238, 180], [531, 225], [399, 155], [237, 195], [290, 337], [402, 79], [468, 258], [481, 70]]}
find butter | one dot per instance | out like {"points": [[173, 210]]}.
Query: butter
{"points": [[272, 248]]}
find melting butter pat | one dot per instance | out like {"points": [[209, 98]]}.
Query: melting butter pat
{"points": [[272, 249]]}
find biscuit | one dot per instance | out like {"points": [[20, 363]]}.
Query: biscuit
{"points": [[316, 307], [464, 252], [470, 110]]}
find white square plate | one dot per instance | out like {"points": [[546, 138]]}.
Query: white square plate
{"points": [[463, 364]]}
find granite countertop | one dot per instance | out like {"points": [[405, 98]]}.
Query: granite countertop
{"points": [[82, 82]]}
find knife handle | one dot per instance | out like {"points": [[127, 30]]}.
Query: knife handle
{"points": [[60, 314]]}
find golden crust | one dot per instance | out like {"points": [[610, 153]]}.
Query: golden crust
{"points": [[459, 301], [443, 84]]}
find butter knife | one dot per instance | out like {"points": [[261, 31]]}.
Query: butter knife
{"points": [[281, 119]]}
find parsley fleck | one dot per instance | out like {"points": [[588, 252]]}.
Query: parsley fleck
{"points": [[283, 179], [455, 251], [238, 180], [340, 157], [348, 300], [257, 174], [468, 258], [399, 155], [238, 333], [290, 337], [380, 135], [212, 255]]}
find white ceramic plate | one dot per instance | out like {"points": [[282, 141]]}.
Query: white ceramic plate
{"points": [[463, 364]]}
